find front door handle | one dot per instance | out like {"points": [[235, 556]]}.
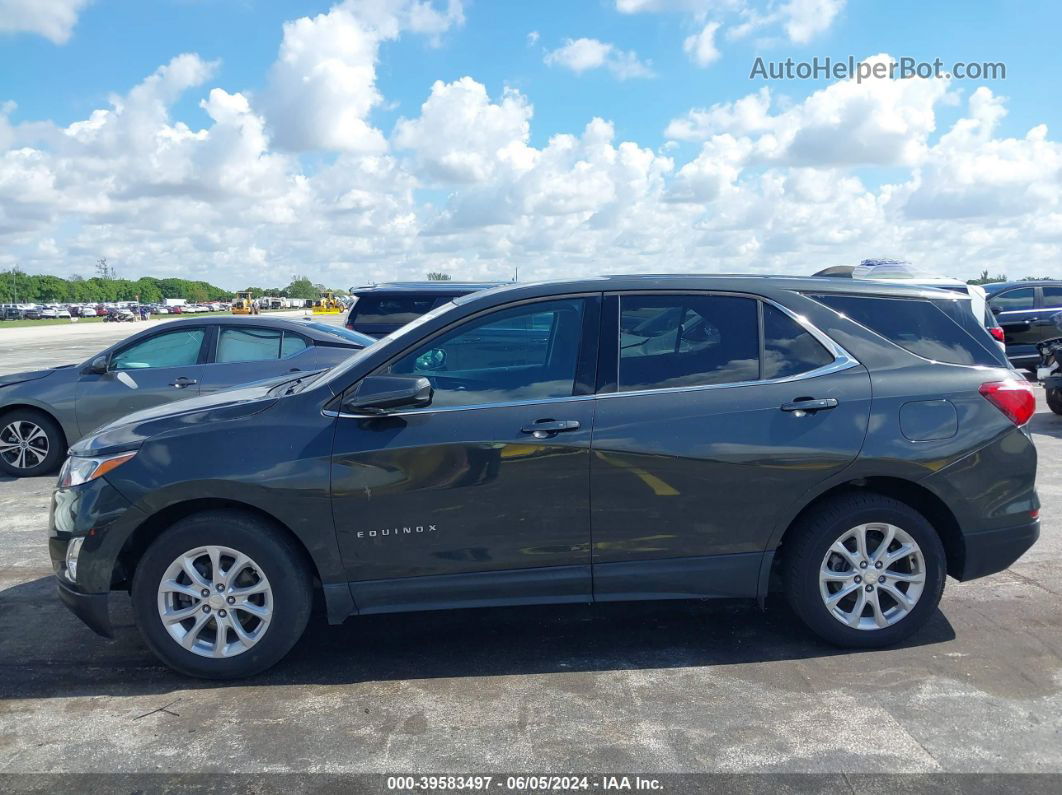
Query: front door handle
{"points": [[182, 382], [544, 429], [804, 405]]}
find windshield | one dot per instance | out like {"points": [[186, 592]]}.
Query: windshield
{"points": [[339, 372]]}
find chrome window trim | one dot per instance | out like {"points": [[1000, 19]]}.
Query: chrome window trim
{"points": [[837, 366], [470, 407], [843, 360]]}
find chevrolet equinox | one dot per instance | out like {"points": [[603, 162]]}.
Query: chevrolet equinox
{"points": [[611, 439]]}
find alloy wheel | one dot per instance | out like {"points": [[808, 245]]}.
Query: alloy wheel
{"points": [[872, 576], [215, 601], [23, 444]]}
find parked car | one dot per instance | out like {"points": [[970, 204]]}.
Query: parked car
{"points": [[120, 315], [11, 313], [44, 411], [32, 314], [383, 308], [1049, 366], [596, 440], [1025, 310]]}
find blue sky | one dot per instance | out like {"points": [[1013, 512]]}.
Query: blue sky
{"points": [[116, 44]]}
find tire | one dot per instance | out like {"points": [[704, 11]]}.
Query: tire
{"points": [[40, 433], [810, 552], [1054, 400], [273, 558]]}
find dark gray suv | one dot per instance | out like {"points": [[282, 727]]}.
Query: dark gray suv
{"points": [[686, 437]]}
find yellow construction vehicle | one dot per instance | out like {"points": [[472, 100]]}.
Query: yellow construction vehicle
{"points": [[327, 304], [244, 304]]}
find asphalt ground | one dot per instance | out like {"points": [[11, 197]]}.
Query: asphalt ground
{"points": [[651, 687]]}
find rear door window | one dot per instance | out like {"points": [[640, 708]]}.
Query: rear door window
{"points": [[1052, 297], [256, 344], [917, 325], [687, 340], [788, 348], [1014, 300]]}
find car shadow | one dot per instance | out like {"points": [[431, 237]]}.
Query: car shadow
{"points": [[1047, 423], [69, 660]]}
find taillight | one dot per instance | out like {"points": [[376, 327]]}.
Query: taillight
{"points": [[997, 333], [1014, 398]]}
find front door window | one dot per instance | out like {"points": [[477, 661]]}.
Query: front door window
{"points": [[529, 352]]}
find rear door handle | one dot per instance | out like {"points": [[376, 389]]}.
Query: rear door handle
{"points": [[182, 382], [810, 404], [543, 429]]}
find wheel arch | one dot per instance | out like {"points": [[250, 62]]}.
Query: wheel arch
{"points": [[913, 494], [157, 523]]}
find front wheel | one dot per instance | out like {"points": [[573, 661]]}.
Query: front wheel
{"points": [[1054, 400], [221, 595], [31, 443], [864, 570]]}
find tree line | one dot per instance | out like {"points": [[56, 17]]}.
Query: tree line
{"points": [[17, 287], [984, 278]]}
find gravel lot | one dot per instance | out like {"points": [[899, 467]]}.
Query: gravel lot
{"points": [[655, 687]]}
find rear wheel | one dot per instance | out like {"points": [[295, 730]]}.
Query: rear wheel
{"points": [[1054, 400], [31, 443], [221, 595], [864, 570]]}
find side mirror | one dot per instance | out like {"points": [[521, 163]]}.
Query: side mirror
{"points": [[995, 310], [377, 394], [98, 366]]}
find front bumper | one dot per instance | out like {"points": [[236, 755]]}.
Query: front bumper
{"points": [[96, 512], [91, 608], [989, 551]]}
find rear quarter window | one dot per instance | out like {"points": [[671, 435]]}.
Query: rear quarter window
{"points": [[395, 309], [917, 325]]}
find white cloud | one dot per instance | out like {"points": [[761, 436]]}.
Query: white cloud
{"points": [[582, 55], [322, 86], [53, 19], [801, 20], [700, 47], [775, 186], [699, 7], [460, 136], [805, 19], [876, 122], [532, 38]]}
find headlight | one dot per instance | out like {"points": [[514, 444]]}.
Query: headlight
{"points": [[78, 470], [72, 551]]}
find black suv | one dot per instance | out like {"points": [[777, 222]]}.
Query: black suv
{"points": [[1026, 312], [608, 439], [383, 308]]}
